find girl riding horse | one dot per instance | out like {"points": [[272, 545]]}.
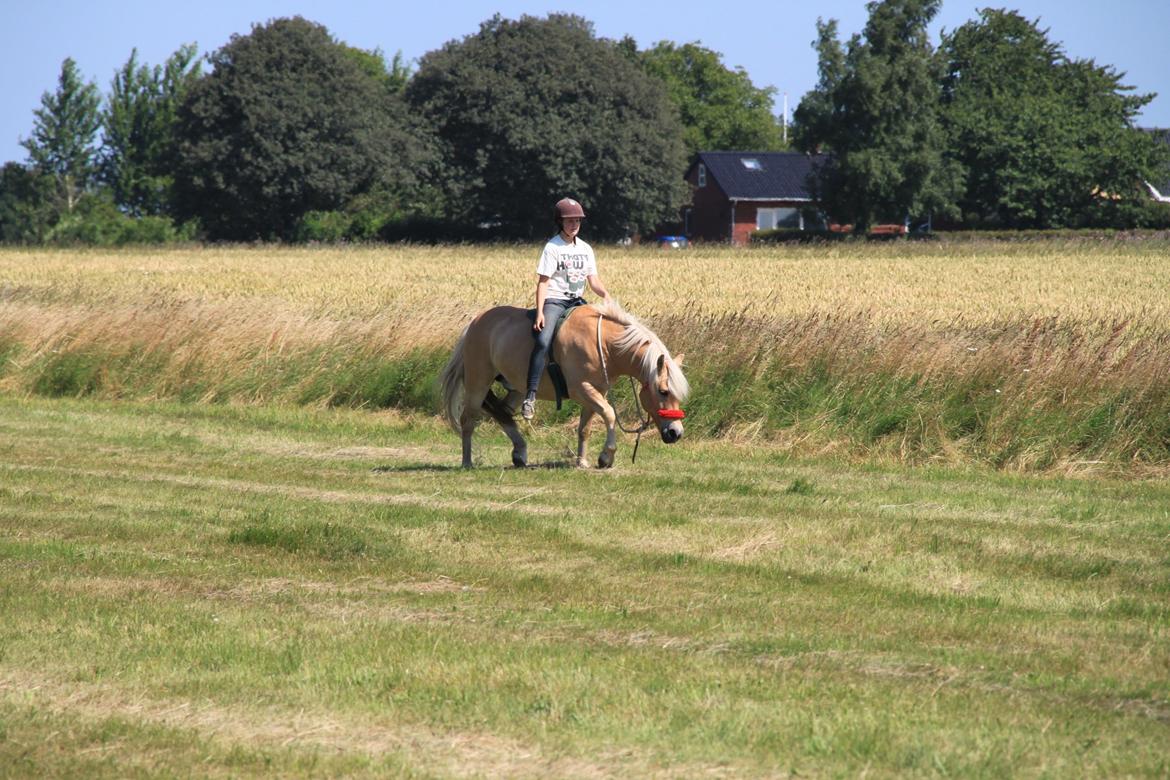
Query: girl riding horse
{"points": [[566, 264]]}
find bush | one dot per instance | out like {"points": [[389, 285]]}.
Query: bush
{"points": [[363, 219], [328, 227], [95, 221], [98, 222], [155, 230]]}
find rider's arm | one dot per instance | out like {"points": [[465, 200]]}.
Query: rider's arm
{"points": [[596, 285], [541, 294]]}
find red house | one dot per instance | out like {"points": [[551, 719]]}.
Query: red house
{"points": [[736, 193]]}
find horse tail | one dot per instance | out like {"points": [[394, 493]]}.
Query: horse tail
{"points": [[451, 383]]}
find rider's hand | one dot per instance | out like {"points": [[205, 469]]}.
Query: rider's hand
{"points": [[539, 326]]}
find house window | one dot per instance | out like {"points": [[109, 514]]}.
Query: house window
{"points": [[752, 164], [771, 218], [702, 175]]}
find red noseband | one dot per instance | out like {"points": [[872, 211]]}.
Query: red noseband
{"points": [[667, 414]]}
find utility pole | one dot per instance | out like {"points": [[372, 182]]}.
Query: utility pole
{"points": [[784, 120]]}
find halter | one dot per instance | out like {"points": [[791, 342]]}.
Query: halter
{"points": [[665, 414]]}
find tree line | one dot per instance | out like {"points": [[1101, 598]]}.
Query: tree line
{"points": [[292, 135], [998, 127]]}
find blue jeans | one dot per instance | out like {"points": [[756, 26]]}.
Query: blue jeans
{"points": [[553, 309]]}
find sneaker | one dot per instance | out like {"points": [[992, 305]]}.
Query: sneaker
{"points": [[528, 408]]}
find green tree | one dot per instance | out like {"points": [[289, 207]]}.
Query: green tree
{"points": [[814, 117], [530, 111], [393, 75], [64, 134], [138, 154], [26, 212], [876, 109], [1046, 141], [287, 123], [720, 108]]}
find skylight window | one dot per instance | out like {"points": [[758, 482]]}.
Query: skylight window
{"points": [[751, 163]]}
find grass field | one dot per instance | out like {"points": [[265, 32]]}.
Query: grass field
{"points": [[918, 526], [246, 591]]}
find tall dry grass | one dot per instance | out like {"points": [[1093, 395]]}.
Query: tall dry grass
{"points": [[1029, 393], [1019, 355]]}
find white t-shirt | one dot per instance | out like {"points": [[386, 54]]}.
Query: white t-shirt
{"points": [[567, 266]]}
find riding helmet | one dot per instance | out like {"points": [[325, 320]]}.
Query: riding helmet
{"points": [[567, 207]]}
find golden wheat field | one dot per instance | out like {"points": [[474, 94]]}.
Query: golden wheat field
{"points": [[891, 283]]}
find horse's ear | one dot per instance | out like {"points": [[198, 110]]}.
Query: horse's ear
{"points": [[678, 359]]}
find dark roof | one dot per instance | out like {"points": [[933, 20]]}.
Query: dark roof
{"points": [[773, 176]]}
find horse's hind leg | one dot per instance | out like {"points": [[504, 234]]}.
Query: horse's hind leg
{"points": [[519, 446], [478, 376], [467, 423], [512, 396], [469, 419], [504, 414], [512, 401]]}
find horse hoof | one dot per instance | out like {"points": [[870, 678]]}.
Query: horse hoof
{"points": [[605, 461], [519, 462], [582, 463]]}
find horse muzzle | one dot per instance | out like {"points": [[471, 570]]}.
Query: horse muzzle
{"points": [[672, 430]]}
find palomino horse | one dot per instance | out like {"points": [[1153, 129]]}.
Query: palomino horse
{"points": [[595, 346]]}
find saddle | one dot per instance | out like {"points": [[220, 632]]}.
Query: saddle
{"points": [[555, 374]]}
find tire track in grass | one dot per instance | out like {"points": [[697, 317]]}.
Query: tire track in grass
{"points": [[300, 492], [376, 736]]}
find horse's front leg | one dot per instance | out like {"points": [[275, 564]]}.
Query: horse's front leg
{"points": [[595, 403], [587, 413], [605, 460]]}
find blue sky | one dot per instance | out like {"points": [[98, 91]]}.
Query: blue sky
{"points": [[770, 40]]}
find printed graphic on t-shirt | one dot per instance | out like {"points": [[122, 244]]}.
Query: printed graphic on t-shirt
{"points": [[574, 268]]}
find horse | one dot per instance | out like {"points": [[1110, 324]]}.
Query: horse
{"points": [[597, 344]]}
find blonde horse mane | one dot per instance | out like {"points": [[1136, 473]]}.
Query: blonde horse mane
{"points": [[634, 336]]}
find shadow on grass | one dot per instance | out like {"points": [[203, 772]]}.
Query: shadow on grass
{"points": [[552, 464], [440, 468], [410, 467]]}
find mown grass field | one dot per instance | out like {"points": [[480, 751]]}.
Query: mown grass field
{"points": [[245, 591], [918, 526]]}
